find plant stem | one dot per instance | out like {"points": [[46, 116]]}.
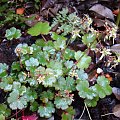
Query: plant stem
{"points": [[88, 112], [82, 113]]}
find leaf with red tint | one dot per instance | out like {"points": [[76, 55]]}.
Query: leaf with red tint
{"points": [[30, 117]]}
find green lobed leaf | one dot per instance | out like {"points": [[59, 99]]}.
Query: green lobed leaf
{"points": [[14, 95], [84, 90], [87, 39], [99, 90], [70, 84], [70, 110], [78, 55], [68, 54], [21, 88], [32, 82], [39, 28], [46, 110], [32, 62], [2, 117], [49, 49], [12, 33], [108, 90], [4, 110], [16, 66], [40, 42], [49, 81], [55, 36], [68, 114], [42, 58], [65, 84], [101, 80], [46, 96], [60, 44], [6, 83], [60, 83], [81, 74], [3, 69], [7, 87], [27, 50], [69, 64], [34, 106], [15, 101], [30, 94], [22, 77], [19, 48], [84, 62], [91, 103], [62, 102], [39, 70], [102, 88], [56, 66]]}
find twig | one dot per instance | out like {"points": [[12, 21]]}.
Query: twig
{"points": [[16, 114], [13, 114], [107, 114], [44, 38]]}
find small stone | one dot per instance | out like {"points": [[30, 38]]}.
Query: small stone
{"points": [[99, 71]]}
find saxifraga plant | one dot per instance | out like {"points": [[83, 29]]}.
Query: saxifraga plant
{"points": [[47, 74]]}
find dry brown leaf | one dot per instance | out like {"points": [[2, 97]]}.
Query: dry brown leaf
{"points": [[102, 10], [116, 110], [116, 48], [32, 19], [116, 92]]}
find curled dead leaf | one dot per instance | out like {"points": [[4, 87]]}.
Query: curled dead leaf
{"points": [[116, 48], [116, 110], [116, 92], [102, 10], [32, 19]]}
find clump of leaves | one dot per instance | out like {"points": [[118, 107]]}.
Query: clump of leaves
{"points": [[12, 33], [71, 23], [47, 74], [93, 93]]}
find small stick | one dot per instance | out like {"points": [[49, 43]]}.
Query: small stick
{"points": [[107, 114], [44, 38]]}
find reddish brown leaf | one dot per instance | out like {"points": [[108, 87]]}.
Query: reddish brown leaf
{"points": [[20, 11], [116, 110]]}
